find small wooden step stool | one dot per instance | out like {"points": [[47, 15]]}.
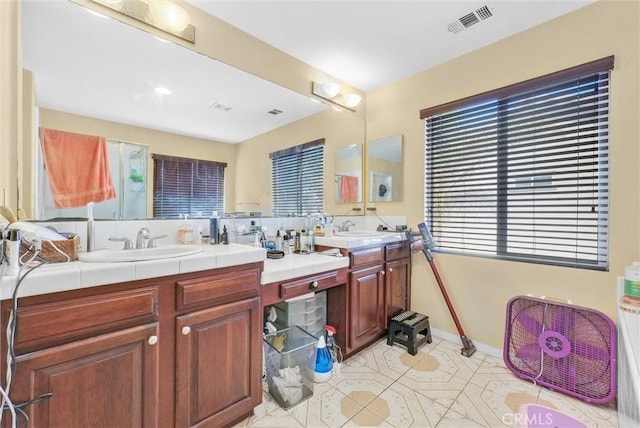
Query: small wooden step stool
{"points": [[404, 329]]}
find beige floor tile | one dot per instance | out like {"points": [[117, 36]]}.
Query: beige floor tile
{"points": [[386, 386], [484, 407], [392, 362], [367, 419], [329, 408], [592, 415], [404, 407], [362, 387], [453, 419]]}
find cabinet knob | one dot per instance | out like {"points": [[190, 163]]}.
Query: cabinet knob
{"points": [[152, 340], [313, 285], [390, 269], [185, 330], [383, 273]]}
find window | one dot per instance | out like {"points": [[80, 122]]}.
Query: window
{"points": [[522, 172], [186, 186], [297, 179]]}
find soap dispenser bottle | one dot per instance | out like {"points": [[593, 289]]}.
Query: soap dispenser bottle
{"points": [[225, 235], [185, 234]]}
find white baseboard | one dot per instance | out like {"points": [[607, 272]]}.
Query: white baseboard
{"points": [[490, 350]]}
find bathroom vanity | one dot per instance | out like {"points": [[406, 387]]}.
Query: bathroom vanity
{"points": [[178, 342]]}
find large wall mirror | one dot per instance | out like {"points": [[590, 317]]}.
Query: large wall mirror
{"points": [[349, 174], [384, 169], [87, 67]]}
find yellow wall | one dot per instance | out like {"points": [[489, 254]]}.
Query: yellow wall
{"points": [[159, 142], [253, 172], [480, 288], [10, 103]]}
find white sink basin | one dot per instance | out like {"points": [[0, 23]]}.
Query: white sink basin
{"points": [[157, 253], [359, 233]]}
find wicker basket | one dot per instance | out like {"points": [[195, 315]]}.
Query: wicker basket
{"points": [[49, 254]]}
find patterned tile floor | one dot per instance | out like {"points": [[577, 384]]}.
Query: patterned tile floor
{"points": [[387, 387]]}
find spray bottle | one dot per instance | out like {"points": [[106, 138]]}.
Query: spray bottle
{"points": [[324, 362]]}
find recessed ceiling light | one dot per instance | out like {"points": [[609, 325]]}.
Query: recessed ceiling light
{"points": [[160, 90]]}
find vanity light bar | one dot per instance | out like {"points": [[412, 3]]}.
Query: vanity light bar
{"points": [[168, 16]]}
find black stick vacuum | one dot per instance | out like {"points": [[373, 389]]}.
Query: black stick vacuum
{"points": [[429, 244]]}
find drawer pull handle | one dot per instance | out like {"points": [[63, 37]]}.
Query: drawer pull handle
{"points": [[313, 285], [185, 330], [152, 340]]}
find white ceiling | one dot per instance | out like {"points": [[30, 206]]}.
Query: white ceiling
{"points": [[368, 44], [364, 43]]}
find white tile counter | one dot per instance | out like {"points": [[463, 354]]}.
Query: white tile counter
{"points": [[56, 277], [297, 265], [344, 240]]}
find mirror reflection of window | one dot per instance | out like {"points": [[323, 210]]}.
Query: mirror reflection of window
{"points": [[297, 179], [348, 175], [384, 168], [128, 165]]}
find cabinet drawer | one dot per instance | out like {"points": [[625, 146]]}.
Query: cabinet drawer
{"points": [[306, 285], [397, 250], [367, 256], [218, 288], [53, 323]]}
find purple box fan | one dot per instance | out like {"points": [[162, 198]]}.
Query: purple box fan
{"points": [[567, 348]]}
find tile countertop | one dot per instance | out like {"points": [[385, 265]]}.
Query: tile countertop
{"points": [[57, 277], [345, 240]]}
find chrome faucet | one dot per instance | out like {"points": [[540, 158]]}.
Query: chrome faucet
{"points": [[152, 240], [128, 245], [346, 224], [143, 234]]}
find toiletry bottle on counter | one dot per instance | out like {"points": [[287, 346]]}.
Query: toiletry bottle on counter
{"points": [[296, 242], [631, 294], [13, 251], [225, 235], [304, 244], [214, 234], [311, 243], [185, 234]]}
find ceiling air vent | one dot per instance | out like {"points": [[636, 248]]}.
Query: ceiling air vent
{"points": [[219, 106], [275, 112], [469, 19]]}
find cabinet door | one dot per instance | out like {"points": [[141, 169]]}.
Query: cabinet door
{"points": [[366, 301], [110, 380], [396, 288], [218, 364]]}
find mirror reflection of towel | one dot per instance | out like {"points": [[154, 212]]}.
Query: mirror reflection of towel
{"points": [[348, 189], [77, 166]]}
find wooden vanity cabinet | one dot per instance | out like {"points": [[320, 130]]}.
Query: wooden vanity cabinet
{"points": [[179, 351], [378, 288], [218, 349], [397, 279], [95, 352], [366, 297]]}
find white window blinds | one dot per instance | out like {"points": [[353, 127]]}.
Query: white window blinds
{"points": [[297, 179], [522, 173]]}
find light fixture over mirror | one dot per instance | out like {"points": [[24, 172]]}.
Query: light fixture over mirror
{"points": [[164, 15], [331, 91]]}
